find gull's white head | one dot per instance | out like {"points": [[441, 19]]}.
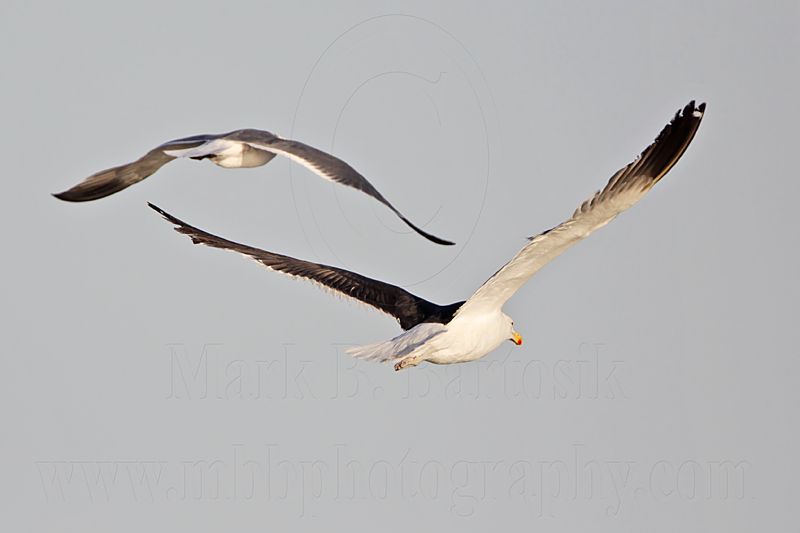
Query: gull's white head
{"points": [[513, 335]]}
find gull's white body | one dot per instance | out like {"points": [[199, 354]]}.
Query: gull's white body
{"points": [[469, 336]]}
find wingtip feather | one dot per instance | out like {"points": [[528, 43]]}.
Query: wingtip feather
{"points": [[432, 238], [75, 194], [160, 211], [178, 223]]}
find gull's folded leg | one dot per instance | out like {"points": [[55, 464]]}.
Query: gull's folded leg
{"points": [[408, 362]]}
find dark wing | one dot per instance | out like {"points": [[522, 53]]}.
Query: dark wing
{"points": [[326, 166], [409, 310], [624, 189], [106, 182]]}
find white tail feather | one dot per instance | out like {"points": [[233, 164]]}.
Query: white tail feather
{"points": [[400, 346]]}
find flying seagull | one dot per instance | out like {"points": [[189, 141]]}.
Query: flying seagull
{"points": [[468, 330], [238, 149]]}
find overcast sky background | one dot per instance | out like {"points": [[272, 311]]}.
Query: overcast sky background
{"points": [[148, 384]]}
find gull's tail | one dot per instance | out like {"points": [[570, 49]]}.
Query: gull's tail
{"points": [[400, 346]]}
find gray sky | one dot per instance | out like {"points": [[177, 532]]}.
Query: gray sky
{"points": [[147, 383]]}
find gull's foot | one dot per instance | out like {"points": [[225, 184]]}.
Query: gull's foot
{"points": [[406, 363]]}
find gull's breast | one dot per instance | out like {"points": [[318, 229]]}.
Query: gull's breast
{"points": [[464, 341], [240, 155]]}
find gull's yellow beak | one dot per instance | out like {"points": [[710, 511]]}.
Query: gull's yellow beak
{"points": [[517, 338]]}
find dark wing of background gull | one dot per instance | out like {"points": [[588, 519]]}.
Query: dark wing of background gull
{"points": [[106, 182], [408, 309], [324, 165]]}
